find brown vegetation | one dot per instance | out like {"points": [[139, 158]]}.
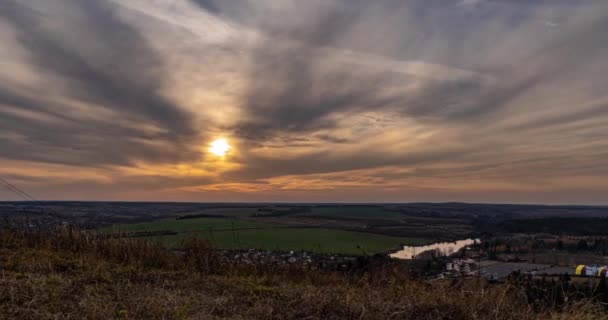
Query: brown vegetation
{"points": [[74, 275]]}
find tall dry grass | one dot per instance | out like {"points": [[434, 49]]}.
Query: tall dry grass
{"points": [[69, 274]]}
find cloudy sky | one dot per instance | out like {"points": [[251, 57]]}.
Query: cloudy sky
{"points": [[319, 100]]}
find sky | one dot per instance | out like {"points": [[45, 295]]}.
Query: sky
{"points": [[309, 101]]}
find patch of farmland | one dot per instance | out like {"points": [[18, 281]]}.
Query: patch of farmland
{"points": [[296, 239], [188, 225], [361, 212]]}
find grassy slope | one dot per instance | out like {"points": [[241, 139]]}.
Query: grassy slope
{"points": [[75, 277], [317, 240]]}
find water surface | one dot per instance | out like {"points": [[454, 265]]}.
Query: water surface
{"points": [[443, 248]]}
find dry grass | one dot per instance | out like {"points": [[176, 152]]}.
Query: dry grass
{"points": [[71, 275]]}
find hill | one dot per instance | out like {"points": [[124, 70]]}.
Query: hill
{"points": [[74, 275]]}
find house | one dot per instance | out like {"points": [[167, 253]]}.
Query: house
{"points": [[461, 266], [591, 271], [580, 270]]}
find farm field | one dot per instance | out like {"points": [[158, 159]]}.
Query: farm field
{"points": [[228, 212], [292, 239], [189, 225], [238, 234], [354, 212]]}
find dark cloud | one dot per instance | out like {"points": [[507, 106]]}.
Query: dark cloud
{"points": [[295, 88], [209, 5], [289, 90], [90, 56], [328, 162], [598, 111], [332, 139], [499, 91], [291, 87], [543, 2]]}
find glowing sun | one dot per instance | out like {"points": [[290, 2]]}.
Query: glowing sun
{"points": [[219, 147]]}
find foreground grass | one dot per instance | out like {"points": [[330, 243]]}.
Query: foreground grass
{"points": [[70, 275]]}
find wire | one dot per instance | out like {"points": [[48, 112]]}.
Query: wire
{"points": [[15, 190], [18, 191]]}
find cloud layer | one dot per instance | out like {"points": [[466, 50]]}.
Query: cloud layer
{"points": [[341, 100]]}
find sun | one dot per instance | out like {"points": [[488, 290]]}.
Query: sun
{"points": [[219, 147]]}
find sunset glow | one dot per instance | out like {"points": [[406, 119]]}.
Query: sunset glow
{"points": [[205, 100], [219, 147]]}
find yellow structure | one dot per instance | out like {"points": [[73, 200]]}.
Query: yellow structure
{"points": [[592, 271], [580, 270]]}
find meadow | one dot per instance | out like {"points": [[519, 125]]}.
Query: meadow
{"points": [[189, 225], [364, 212], [243, 234], [296, 239]]}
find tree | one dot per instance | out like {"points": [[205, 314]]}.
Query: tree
{"points": [[582, 245], [601, 290]]}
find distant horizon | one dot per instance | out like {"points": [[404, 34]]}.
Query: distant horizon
{"points": [[310, 203]]}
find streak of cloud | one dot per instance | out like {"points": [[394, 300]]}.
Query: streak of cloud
{"points": [[99, 87], [416, 99]]}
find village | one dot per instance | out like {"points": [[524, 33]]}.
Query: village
{"points": [[469, 263], [301, 260]]}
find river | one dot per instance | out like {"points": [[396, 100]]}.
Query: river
{"points": [[444, 248]]}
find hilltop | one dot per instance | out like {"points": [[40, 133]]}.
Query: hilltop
{"points": [[72, 275]]}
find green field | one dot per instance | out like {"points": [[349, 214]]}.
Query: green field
{"points": [[189, 225], [229, 212], [370, 212], [316, 240], [225, 234]]}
